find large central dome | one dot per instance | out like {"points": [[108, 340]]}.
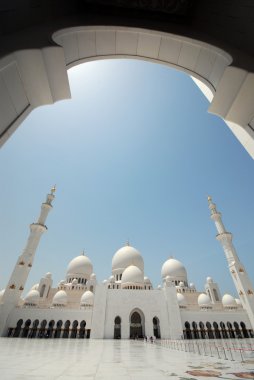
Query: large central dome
{"points": [[125, 257], [80, 267], [175, 270]]}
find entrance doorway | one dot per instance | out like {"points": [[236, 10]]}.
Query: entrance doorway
{"points": [[136, 325], [117, 328], [156, 328]]}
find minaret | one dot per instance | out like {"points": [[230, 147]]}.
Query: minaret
{"points": [[17, 281], [240, 277]]}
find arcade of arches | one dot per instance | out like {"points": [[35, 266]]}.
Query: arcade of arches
{"points": [[60, 329], [222, 330]]}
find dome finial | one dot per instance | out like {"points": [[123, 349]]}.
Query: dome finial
{"points": [[209, 198], [127, 242], [83, 253], [53, 189]]}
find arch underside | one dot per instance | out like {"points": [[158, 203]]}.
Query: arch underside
{"points": [[34, 77]]}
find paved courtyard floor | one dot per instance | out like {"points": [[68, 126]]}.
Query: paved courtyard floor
{"points": [[29, 359]]}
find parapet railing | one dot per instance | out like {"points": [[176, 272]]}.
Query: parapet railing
{"points": [[230, 349]]}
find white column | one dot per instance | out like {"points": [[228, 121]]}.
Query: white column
{"points": [[18, 278], [238, 272]]}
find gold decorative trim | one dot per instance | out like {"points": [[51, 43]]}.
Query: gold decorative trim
{"points": [[21, 263], [12, 286], [21, 288], [241, 270]]}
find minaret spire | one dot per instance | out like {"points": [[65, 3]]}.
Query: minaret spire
{"points": [[17, 281], [239, 275]]}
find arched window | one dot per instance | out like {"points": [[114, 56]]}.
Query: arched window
{"points": [[209, 294], [216, 330], [187, 332], [18, 328], [223, 330], [74, 329], [50, 329], [230, 330], [82, 329], [33, 330], [209, 330], [42, 290], [237, 330], [216, 296], [26, 328], [66, 329], [195, 330], [117, 328], [58, 329], [202, 330], [42, 329], [156, 327], [244, 330]]}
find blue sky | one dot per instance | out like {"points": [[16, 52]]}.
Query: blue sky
{"points": [[134, 155]]}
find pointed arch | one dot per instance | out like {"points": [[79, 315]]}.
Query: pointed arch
{"points": [[117, 327], [137, 324], [156, 327]]}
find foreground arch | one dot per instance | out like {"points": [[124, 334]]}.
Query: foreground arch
{"points": [[34, 77]]}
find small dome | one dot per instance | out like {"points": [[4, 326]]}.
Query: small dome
{"points": [[181, 284], [32, 297], [62, 282], [111, 279], [147, 280], [80, 266], [209, 279], [181, 299], [87, 299], [105, 281], [60, 298], [174, 269], [204, 300], [132, 275], [74, 281], [228, 301], [238, 302], [125, 257], [192, 286], [48, 275], [35, 287], [93, 276], [159, 287]]}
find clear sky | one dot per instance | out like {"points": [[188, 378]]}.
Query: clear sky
{"points": [[134, 155]]}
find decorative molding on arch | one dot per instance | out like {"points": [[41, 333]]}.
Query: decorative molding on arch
{"points": [[34, 77], [29, 79], [203, 61]]}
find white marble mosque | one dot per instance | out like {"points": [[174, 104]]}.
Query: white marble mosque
{"points": [[126, 305]]}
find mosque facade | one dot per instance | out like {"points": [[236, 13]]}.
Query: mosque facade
{"points": [[126, 305]]}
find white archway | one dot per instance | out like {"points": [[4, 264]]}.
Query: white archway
{"points": [[31, 78]]}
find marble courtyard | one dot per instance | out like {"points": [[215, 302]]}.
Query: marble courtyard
{"points": [[24, 359]]}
